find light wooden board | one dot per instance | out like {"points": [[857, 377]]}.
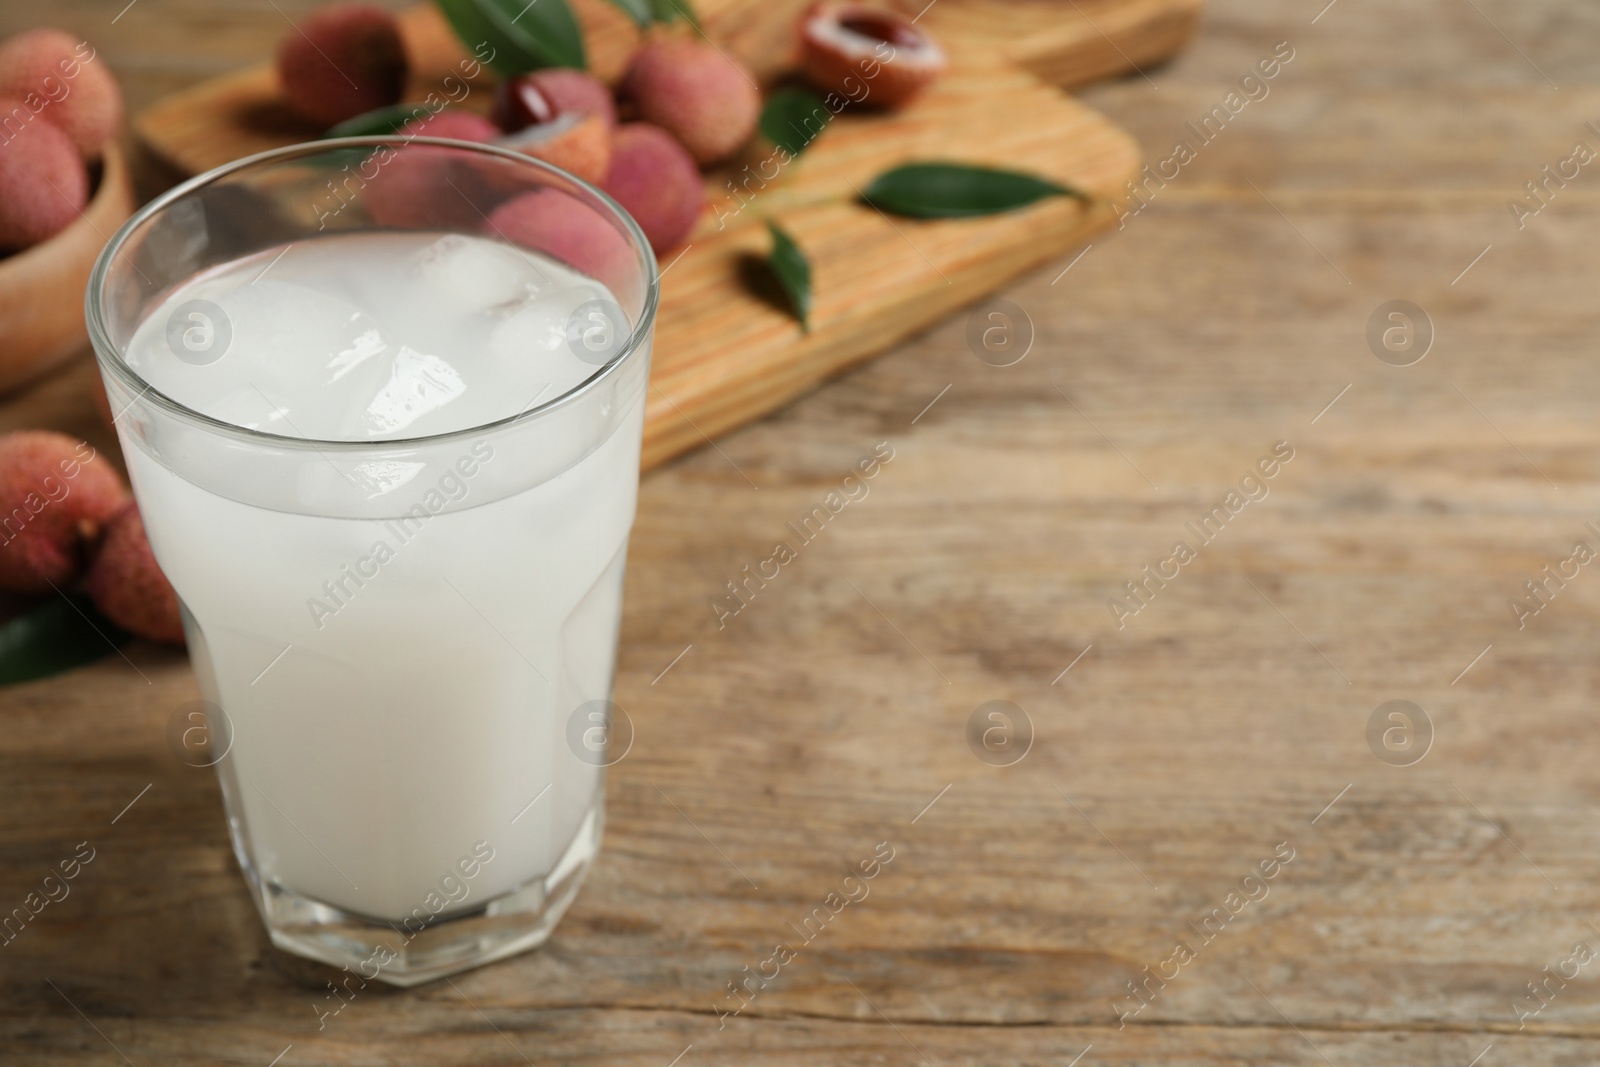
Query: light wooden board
{"points": [[724, 355]]}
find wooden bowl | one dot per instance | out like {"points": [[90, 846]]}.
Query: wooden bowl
{"points": [[41, 288]]}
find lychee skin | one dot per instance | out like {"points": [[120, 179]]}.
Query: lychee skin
{"points": [[566, 229], [871, 57], [705, 99], [127, 585], [43, 182], [655, 179], [453, 123], [342, 61], [56, 497], [556, 91], [78, 94]]}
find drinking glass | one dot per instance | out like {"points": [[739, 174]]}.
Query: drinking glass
{"points": [[411, 739]]}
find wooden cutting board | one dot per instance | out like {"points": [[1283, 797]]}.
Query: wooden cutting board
{"points": [[725, 354]]}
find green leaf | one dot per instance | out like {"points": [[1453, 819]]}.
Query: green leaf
{"points": [[957, 190], [524, 36], [668, 11], [637, 10], [379, 121], [793, 118], [793, 271], [58, 635]]}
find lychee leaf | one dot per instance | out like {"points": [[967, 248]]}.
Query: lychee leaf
{"points": [[792, 119], [668, 11], [793, 271], [521, 36], [957, 190], [59, 634], [637, 10]]}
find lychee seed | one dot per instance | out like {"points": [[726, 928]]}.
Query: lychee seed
{"points": [[127, 585], [56, 496], [699, 95], [655, 179], [342, 61], [541, 96], [43, 182], [62, 78]]}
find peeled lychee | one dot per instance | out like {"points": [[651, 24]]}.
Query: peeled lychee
{"points": [[342, 61], [654, 178], [127, 585], [61, 78], [43, 182], [565, 228], [707, 100], [542, 95], [868, 56], [56, 497]]}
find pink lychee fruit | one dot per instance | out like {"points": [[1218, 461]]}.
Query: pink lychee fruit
{"points": [[874, 58], [64, 80], [342, 61], [127, 585], [56, 497], [654, 178], [706, 99], [566, 229], [540, 96], [426, 187], [43, 182]]}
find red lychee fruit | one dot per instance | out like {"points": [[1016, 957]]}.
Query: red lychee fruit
{"points": [[655, 179], [43, 182], [61, 77], [342, 61], [56, 497], [425, 187], [869, 57], [578, 144], [127, 585], [454, 123], [538, 97], [566, 229], [707, 100]]}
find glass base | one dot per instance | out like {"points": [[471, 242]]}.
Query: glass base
{"points": [[513, 922]]}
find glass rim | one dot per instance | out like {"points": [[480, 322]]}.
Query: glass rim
{"points": [[108, 354]]}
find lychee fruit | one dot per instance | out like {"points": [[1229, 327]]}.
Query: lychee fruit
{"points": [[454, 123], [60, 77], [43, 182], [538, 97], [706, 99], [426, 187], [342, 61], [56, 497], [654, 178], [870, 57], [579, 144], [127, 585], [568, 230]]}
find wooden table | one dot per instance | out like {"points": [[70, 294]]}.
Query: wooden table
{"points": [[1224, 725]]}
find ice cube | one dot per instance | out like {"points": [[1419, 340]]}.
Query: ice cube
{"points": [[532, 347], [471, 275], [418, 384]]}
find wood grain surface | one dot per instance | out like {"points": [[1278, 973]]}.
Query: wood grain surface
{"points": [[1228, 717]]}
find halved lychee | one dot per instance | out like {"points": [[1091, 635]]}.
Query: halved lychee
{"points": [[538, 97], [579, 144], [870, 57]]}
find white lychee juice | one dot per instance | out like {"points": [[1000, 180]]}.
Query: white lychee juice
{"points": [[413, 643]]}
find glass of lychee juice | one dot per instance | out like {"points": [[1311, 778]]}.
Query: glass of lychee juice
{"points": [[381, 403]]}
